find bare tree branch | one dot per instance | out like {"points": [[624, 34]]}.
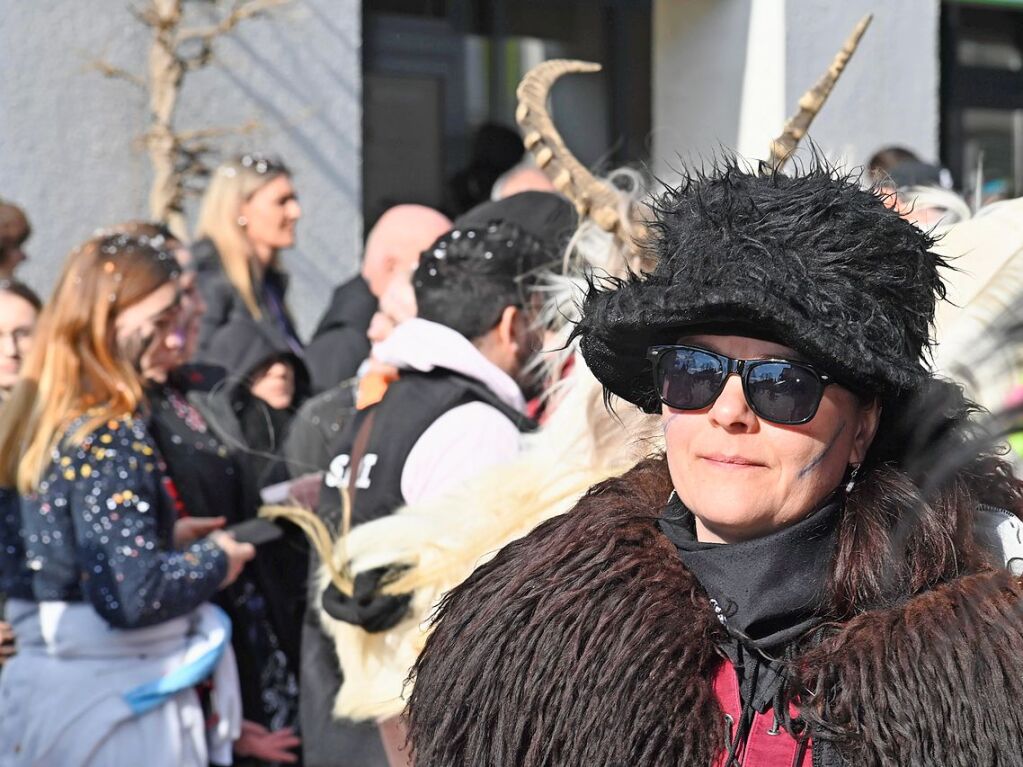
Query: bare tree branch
{"points": [[148, 15], [178, 157], [203, 134], [107, 69], [199, 59], [239, 12]]}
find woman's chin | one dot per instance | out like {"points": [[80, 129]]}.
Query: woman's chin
{"points": [[739, 497], [730, 513]]}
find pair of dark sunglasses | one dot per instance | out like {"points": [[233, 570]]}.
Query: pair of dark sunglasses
{"points": [[779, 391]]}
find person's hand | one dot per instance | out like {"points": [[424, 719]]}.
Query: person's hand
{"points": [[258, 742], [367, 607], [7, 648], [237, 555], [188, 530]]}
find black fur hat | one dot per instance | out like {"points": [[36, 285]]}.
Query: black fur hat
{"points": [[812, 261]]}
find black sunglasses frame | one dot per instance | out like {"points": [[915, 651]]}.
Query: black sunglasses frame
{"points": [[741, 368]]}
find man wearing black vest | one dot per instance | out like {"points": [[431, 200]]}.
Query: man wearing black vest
{"points": [[457, 408]]}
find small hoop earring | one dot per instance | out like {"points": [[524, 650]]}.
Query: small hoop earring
{"points": [[242, 221], [852, 478]]}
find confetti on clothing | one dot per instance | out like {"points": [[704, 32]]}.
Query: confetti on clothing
{"points": [[100, 529]]}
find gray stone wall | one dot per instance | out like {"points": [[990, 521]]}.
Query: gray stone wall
{"points": [[708, 56], [69, 150], [889, 94]]}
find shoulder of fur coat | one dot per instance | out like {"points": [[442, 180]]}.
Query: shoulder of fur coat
{"points": [[588, 642]]}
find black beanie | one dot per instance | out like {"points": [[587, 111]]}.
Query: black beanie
{"points": [[547, 216]]}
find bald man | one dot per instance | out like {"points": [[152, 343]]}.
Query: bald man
{"points": [[392, 248]]}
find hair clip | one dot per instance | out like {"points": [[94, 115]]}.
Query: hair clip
{"points": [[262, 164]]}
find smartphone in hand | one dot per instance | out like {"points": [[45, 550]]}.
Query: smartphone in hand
{"points": [[255, 531]]}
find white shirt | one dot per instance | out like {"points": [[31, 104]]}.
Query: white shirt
{"points": [[466, 439]]}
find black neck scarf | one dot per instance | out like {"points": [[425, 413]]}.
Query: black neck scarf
{"points": [[766, 591]]}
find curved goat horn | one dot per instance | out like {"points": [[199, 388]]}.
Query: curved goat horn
{"points": [[591, 196], [812, 101]]}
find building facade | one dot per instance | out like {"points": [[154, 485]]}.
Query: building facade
{"points": [[379, 102]]}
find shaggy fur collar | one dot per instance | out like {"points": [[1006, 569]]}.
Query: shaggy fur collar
{"points": [[588, 643]]}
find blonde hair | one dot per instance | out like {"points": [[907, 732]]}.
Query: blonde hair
{"points": [[232, 184], [76, 367]]}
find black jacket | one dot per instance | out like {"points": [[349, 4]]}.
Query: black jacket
{"points": [[15, 577], [245, 423], [265, 603], [224, 304], [340, 344], [316, 426]]}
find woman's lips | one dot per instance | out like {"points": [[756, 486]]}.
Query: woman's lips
{"points": [[731, 461]]}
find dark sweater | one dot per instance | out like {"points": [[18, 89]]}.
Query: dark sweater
{"points": [[15, 577], [224, 303], [266, 602], [340, 344]]}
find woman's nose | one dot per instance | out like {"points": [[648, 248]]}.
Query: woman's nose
{"points": [[730, 409], [294, 210]]}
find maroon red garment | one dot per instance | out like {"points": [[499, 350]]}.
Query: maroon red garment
{"points": [[768, 743]]}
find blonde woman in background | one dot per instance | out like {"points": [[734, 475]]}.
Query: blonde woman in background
{"points": [[248, 215]]}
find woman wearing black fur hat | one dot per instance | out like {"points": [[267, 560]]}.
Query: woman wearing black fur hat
{"points": [[791, 583]]}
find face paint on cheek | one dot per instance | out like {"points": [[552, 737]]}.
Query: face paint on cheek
{"points": [[823, 454]]}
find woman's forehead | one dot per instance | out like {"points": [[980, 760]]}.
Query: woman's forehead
{"points": [[12, 305]]}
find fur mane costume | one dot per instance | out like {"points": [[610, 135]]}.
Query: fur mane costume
{"points": [[591, 644], [977, 328], [432, 546], [438, 543]]}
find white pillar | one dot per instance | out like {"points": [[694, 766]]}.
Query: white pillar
{"points": [[763, 83], [727, 73]]}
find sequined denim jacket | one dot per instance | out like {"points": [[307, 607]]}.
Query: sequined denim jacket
{"points": [[99, 529]]}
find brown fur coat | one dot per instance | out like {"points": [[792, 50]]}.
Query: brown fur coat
{"points": [[588, 643]]}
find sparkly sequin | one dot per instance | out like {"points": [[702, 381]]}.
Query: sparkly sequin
{"points": [[100, 529]]}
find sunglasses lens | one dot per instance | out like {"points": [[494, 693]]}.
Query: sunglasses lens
{"points": [[689, 379], [783, 392]]}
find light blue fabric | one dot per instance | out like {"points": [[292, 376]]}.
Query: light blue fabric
{"points": [[69, 654], [201, 659]]}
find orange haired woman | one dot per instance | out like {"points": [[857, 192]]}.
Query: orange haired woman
{"points": [[118, 632]]}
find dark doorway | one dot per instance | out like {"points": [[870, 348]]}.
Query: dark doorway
{"points": [[982, 99], [435, 71]]}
